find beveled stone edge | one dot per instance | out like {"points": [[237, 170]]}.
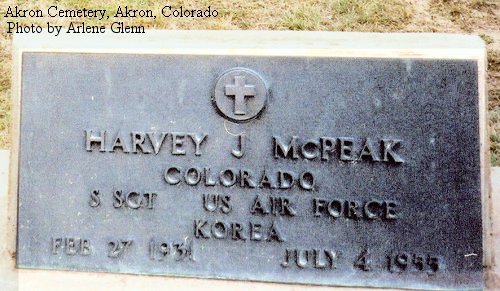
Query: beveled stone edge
{"points": [[262, 43]]}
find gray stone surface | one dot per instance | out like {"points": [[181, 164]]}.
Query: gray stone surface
{"points": [[425, 111]]}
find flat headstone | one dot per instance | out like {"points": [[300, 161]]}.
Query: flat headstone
{"points": [[314, 158]]}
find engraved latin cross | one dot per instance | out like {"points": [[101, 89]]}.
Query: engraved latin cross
{"points": [[239, 90]]}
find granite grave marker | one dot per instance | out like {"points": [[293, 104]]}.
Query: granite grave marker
{"points": [[314, 158]]}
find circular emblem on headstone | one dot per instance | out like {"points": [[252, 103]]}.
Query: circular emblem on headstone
{"points": [[240, 94]]}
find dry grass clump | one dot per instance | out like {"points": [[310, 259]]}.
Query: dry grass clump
{"points": [[494, 105], [348, 15], [5, 73], [467, 14], [372, 15], [495, 136]]}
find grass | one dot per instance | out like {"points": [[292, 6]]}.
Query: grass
{"points": [[467, 14], [303, 17], [5, 74], [371, 15], [495, 136], [348, 15], [462, 16], [494, 106]]}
